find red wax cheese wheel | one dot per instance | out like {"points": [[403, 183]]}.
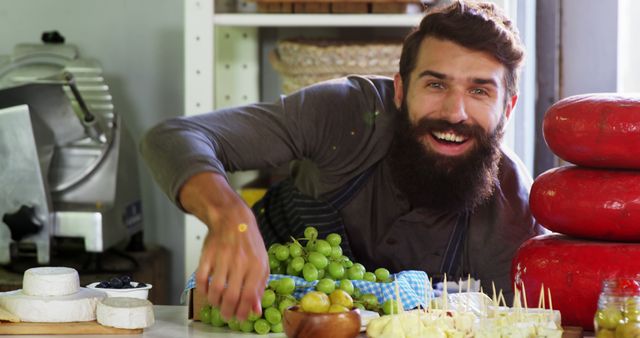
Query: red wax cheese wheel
{"points": [[595, 130], [592, 203], [573, 270]]}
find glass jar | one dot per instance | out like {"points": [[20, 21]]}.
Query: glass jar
{"points": [[618, 313]]}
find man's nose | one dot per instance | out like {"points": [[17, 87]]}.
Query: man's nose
{"points": [[453, 108]]}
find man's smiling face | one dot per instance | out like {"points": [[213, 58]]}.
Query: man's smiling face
{"points": [[446, 149], [458, 90]]}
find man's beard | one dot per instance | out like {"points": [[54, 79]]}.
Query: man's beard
{"points": [[445, 183]]}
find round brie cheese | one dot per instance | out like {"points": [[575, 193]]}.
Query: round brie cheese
{"points": [[125, 312], [77, 307], [50, 281]]}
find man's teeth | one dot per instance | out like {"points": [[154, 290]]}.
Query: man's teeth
{"points": [[451, 137]]}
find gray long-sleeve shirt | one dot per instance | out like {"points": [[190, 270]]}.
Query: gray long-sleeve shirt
{"points": [[340, 128]]}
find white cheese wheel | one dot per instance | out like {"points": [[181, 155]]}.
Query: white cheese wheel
{"points": [[78, 307], [125, 312], [50, 281]]}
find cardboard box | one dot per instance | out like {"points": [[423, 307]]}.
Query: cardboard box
{"points": [[195, 301]]}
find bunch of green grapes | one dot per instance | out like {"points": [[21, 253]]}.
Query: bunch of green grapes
{"points": [[277, 297], [314, 258], [319, 258]]}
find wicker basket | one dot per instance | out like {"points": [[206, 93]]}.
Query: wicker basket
{"points": [[305, 62]]}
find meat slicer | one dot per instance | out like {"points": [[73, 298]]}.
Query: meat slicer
{"points": [[68, 166]]}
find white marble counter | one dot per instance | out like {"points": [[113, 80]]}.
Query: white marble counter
{"points": [[172, 322]]}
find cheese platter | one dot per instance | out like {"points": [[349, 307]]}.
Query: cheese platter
{"points": [[52, 302]]}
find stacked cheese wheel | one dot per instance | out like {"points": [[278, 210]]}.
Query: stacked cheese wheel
{"points": [[52, 294], [593, 205]]}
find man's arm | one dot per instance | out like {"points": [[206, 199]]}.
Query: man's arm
{"points": [[189, 156], [233, 252]]}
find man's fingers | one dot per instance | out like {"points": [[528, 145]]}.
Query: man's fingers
{"points": [[231, 295], [219, 278], [251, 293], [203, 273]]}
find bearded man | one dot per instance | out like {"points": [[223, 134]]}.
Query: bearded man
{"points": [[410, 171]]}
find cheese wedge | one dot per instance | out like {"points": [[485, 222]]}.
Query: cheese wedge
{"points": [[125, 312], [50, 281]]}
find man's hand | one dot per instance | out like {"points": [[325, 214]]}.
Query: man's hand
{"points": [[233, 253]]}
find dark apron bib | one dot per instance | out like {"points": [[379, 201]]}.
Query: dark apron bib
{"points": [[285, 212]]}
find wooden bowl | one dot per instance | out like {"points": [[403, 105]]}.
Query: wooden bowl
{"points": [[298, 324]]}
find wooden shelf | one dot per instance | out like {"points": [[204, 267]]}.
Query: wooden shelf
{"points": [[317, 20]]}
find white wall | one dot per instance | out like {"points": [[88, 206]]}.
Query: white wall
{"points": [[140, 45], [628, 46], [589, 46]]}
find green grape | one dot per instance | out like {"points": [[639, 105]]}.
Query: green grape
{"points": [[246, 326], [273, 284], [319, 260], [390, 305], [336, 270], [382, 274], [277, 328], [336, 253], [291, 272], [356, 293], [323, 247], [261, 326], [268, 298], [359, 267], [286, 303], [234, 324], [369, 300], [252, 317], [359, 306], [310, 233], [311, 246], [273, 262], [347, 286], [205, 314], [309, 272], [295, 249], [321, 273], [286, 286], [272, 248], [282, 253], [297, 264], [347, 263], [334, 239], [216, 318], [354, 273], [326, 285], [369, 277], [272, 315]]}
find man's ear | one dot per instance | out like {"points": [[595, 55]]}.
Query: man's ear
{"points": [[399, 94], [511, 105]]}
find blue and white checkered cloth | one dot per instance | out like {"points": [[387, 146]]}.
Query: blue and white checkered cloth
{"points": [[411, 285]]}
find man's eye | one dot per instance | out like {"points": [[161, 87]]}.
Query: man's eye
{"points": [[479, 91], [435, 85]]}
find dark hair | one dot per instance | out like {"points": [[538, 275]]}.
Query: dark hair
{"points": [[479, 26]]}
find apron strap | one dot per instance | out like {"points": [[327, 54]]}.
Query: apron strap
{"points": [[453, 253]]}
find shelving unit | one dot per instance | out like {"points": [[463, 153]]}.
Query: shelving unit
{"points": [[316, 20], [223, 63], [222, 67]]}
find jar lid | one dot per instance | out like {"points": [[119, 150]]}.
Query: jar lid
{"points": [[621, 286]]}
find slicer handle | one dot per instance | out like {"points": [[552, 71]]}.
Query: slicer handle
{"points": [[22, 223]]}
